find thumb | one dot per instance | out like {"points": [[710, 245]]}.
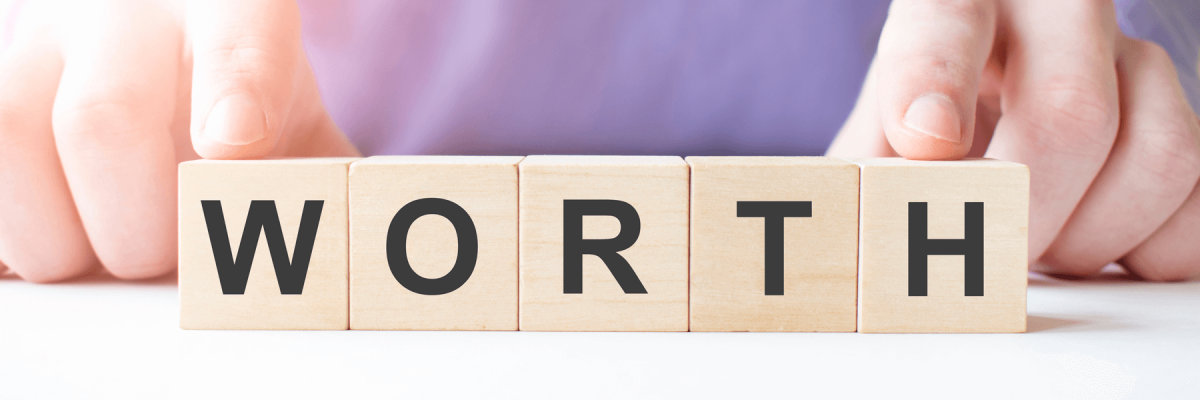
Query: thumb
{"points": [[247, 57], [931, 57]]}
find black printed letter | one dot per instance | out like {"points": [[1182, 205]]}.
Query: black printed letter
{"points": [[262, 217], [774, 212], [397, 251], [920, 247], [574, 246]]}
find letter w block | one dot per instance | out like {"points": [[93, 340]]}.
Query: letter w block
{"points": [[291, 271]]}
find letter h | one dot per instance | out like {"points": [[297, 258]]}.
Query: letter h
{"points": [[920, 247]]}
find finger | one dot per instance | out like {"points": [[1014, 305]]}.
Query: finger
{"points": [[41, 236], [310, 132], [1170, 254], [1152, 168], [111, 120], [934, 52], [247, 58], [862, 134], [1060, 104]]}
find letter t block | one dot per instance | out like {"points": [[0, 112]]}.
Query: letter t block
{"points": [[944, 246], [774, 244], [263, 244], [603, 243]]}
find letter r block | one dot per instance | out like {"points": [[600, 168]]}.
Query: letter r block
{"points": [[462, 263], [774, 244], [944, 246], [297, 275], [603, 243]]}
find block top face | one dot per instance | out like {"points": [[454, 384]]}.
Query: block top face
{"points": [[277, 161], [556, 160], [699, 162], [440, 160], [963, 163]]}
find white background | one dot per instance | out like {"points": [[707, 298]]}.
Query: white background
{"points": [[1103, 338]]}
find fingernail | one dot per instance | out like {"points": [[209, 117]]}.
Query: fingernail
{"points": [[235, 120], [934, 115]]}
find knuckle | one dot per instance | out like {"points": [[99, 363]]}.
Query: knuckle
{"points": [[1097, 10], [1152, 50], [1157, 267], [1071, 262], [1073, 111], [1173, 155], [937, 63], [51, 266], [142, 264], [140, 271], [1089, 4], [244, 53], [146, 252], [975, 12], [1152, 53], [968, 10], [99, 116]]}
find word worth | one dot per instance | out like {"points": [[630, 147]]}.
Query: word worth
{"points": [[604, 243]]}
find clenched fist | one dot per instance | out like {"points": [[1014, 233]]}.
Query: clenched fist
{"points": [[99, 101], [1100, 119]]}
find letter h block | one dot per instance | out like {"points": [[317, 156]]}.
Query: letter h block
{"points": [[944, 246], [263, 244], [604, 243], [433, 243], [774, 244]]}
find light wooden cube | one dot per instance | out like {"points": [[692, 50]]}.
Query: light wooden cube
{"points": [[433, 243], [804, 275], [979, 207], [571, 291], [299, 205]]}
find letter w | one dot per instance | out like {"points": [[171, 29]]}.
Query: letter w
{"points": [[262, 217]]}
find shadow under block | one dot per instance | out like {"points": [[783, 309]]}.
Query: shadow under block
{"points": [[979, 207], [296, 210], [630, 210], [461, 246], [810, 207]]}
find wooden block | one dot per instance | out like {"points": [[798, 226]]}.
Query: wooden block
{"points": [[803, 275], [433, 243], [291, 272], [978, 207], [633, 212]]}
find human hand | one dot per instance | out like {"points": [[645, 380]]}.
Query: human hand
{"points": [[1100, 119], [97, 102]]}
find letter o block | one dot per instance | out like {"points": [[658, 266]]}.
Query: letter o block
{"points": [[263, 244], [774, 244], [433, 243], [944, 246], [604, 243]]}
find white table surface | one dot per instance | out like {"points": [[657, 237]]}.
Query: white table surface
{"points": [[98, 337]]}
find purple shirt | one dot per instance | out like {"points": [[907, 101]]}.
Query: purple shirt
{"points": [[679, 77]]}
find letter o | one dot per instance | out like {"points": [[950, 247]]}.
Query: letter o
{"points": [[397, 251]]}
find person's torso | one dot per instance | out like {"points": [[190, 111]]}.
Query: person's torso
{"points": [[685, 77], [614, 77]]}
